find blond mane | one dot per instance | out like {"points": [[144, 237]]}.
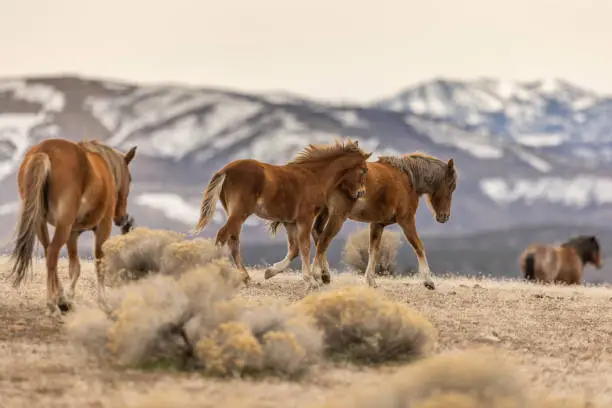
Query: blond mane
{"points": [[113, 158], [427, 173], [312, 152]]}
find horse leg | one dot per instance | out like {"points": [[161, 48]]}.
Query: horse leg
{"points": [[74, 265], [303, 235], [319, 224], [321, 267], [55, 292], [101, 233], [409, 229], [230, 234], [292, 252], [376, 231], [43, 237]]}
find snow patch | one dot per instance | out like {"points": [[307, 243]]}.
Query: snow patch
{"points": [[533, 160], [15, 129], [541, 139], [176, 208], [350, 119], [578, 192], [478, 145], [50, 98]]}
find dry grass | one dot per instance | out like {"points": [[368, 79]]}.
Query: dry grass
{"points": [[355, 254], [363, 325], [189, 318], [557, 338]]}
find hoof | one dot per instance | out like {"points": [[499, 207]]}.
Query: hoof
{"points": [[429, 285], [269, 273], [326, 279], [65, 306]]}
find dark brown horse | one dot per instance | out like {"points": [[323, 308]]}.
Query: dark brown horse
{"points": [[75, 187], [292, 194], [560, 264], [394, 186]]}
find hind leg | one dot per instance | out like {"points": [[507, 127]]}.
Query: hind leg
{"points": [[376, 231], [55, 292], [303, 235], [101, 234], [230, 234], [293, 251], [74, 265], [43, 237]]}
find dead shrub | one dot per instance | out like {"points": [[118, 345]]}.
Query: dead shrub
{"points": [[192, 320], [183, 255], [362, 324], [136, 254], [463, 379], [355, 254]]}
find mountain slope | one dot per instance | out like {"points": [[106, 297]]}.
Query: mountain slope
{"points": [[186, 134]]}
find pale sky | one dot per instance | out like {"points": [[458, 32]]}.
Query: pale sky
{"points": [[339, 49]]}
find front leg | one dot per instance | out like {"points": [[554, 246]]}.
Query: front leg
{"points": [[409, 228], [332, 228], [376, 231]]}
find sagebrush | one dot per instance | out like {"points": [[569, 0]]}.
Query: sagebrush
{"points": [[145, 251], [364, 325], [189, 317], [460, 379], [355, 253]]}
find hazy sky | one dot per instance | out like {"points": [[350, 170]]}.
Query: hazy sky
{"points": [[340, 49]]}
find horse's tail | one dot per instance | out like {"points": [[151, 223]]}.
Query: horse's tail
{"points": [[209, 203], [272, 227], [32, 215], [529, 266]]}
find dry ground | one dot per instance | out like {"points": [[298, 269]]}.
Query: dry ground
{"points": [[560, 336]]}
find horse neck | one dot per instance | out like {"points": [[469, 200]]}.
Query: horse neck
{"points": [[425, 180], [582, 252], [331, 170]]}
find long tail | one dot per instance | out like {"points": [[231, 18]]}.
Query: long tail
{"points": [[32, 216], [272, 227], [530, 267], [209, 203]]}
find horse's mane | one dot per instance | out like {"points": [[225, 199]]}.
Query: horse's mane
{"points": [[319, 152], [113, 158], [425, 171], [583, 244]]}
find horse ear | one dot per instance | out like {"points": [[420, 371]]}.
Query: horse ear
{"points": [[451, 164], [130, 155], [367, 155]]}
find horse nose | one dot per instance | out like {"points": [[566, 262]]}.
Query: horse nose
{"points": [[360, 194], [442, 218]]}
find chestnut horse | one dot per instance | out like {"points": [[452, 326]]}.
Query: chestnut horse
{"points": [[75, 187], [394, 185], [292, 194], [560, 264]]}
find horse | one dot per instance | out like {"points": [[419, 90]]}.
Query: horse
{"points": [[76, 187], [560, 264], [394, 185], [292, 194]]}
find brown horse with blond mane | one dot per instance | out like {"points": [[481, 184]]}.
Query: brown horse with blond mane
{"points": [[292, 194], [75, 187], [560, 264], [394, 185]]}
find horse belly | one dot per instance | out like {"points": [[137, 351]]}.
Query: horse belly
{"points": [[87, 216], [364, 211], [272, 211]]}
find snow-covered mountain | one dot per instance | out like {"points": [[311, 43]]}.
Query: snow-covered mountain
{"points": [[495, 132], [552, 115]]}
